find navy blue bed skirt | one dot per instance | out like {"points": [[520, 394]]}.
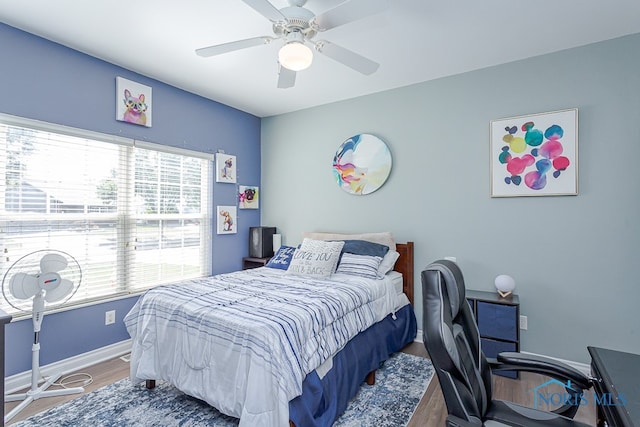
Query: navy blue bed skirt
{"points": [[323, 400]]}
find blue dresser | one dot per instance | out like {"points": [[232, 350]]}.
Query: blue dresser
{"points": [[498, 321]]}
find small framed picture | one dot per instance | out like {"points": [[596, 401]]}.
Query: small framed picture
{"points": [[225, 168], [249, 197], [227, 217], [133, 102]]}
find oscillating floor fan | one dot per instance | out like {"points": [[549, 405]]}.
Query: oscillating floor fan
{"points": [[45, 278]]}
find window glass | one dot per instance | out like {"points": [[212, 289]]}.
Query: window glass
{"points": [[131, 217]]}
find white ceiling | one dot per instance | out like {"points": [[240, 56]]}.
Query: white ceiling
{"points": [[413, 40]]}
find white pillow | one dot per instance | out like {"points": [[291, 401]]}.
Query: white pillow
{"points": [[388, 262], [315, 258], [359, 265]]}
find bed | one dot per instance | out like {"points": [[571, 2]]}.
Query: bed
{"points": [[273, 348]]}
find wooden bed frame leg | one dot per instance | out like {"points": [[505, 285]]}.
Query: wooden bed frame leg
{"points": [[371, 378]]}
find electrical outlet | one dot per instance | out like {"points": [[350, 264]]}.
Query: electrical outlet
{"points": [[110, 317], [523, 323]]}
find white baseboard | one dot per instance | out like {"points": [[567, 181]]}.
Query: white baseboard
{"points": [[23, 379], [585, 368]]}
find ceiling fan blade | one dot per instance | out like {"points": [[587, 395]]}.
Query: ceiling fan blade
{"points": [[233, 46], [51, 263], [348, 11], [58, 293], [23, 286], [286, 77], [347, 57], [266, 9]]}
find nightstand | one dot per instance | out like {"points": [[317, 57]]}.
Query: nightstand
{"points": [[498, 323], [253, 262]]}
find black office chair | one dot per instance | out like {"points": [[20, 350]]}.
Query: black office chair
{"points": [[451, 337]]}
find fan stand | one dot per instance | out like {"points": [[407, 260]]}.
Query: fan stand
{"points": [[36, 392]]}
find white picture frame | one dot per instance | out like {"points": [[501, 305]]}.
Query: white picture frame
{"points": [[226, 168], [227, 220], [248, 197], [133, 102], [535, 155]]}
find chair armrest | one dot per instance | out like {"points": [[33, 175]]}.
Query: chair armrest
{"points": [[453, 421], [543, 365], [575, 381]]}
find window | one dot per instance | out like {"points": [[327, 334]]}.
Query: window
{"points": [[134, 215]]}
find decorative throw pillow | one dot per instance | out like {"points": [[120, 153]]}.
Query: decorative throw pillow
{"points": [[359, 265], [315, 258], [388, 262], [282, 258]]}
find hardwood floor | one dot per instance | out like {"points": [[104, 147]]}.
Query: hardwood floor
{"points": [[103, 374], [431, 411]]}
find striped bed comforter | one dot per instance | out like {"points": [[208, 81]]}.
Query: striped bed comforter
{"points": [[244, 341]]}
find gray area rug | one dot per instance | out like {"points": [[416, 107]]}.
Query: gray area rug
{"points": [[400, 384]]}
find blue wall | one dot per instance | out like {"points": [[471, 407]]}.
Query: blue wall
{"points": [[46, 81]]}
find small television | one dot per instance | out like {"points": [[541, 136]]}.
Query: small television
{"points": [[261, 241]]}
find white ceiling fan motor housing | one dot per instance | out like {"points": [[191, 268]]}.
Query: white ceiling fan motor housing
{"points": [[298, 19]]}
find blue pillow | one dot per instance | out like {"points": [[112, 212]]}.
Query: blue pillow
{"points": [[362, 247], [282, 258]]}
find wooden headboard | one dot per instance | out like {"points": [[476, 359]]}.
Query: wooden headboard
{"points": [[404, 265]]}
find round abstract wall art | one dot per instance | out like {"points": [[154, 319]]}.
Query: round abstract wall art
{"points": [[362, 164]]}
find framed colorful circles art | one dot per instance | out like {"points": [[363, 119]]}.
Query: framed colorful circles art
{"points": [[535, 155], [362, 164]]}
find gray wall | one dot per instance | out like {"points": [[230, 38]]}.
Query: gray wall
{"points": [[573, 258]]}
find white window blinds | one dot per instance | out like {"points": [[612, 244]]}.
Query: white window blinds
{"points": [[134, 215]]}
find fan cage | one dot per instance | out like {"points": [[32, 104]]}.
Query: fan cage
{"points": [[30, 264]]}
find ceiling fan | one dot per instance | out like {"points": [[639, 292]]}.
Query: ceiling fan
{"points": [[296, 27]]}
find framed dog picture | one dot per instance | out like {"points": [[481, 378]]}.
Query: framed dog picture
{"points": [[249, 197], [226, 168], [133, 102], [227, 220]]}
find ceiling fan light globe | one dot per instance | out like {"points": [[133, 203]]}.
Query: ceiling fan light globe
{"points": [[295, 56]]}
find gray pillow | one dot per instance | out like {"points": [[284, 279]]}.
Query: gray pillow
{"points": [[315, 258], [387, 263]]}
